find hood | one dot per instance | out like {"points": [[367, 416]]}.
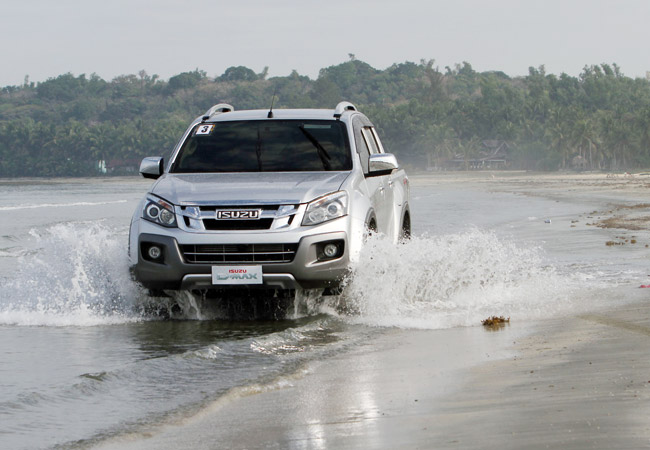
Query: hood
{"points": [[252, 188]]}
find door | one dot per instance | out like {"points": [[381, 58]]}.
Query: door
{"points": [[386, 198], [378, 186]]}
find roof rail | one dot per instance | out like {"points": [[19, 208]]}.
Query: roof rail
{"points": [[218, 108], [342, 107]]}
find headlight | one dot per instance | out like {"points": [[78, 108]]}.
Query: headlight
{"points": [[159, 211], [326, 208]]}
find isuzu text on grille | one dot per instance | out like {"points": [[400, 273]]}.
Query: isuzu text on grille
{"points": [[239, 214]]}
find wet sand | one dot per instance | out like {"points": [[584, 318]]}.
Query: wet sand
{"points": [[569, 382], [575, 383]]}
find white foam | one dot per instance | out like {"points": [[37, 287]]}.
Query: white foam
{"points": [[453, 280], [78, 276]]}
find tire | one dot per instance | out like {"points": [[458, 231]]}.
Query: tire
{"points": [[405, 230], [371, 229]]}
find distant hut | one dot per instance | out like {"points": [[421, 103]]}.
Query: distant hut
{"points": [[122, 166], [492, 154]]}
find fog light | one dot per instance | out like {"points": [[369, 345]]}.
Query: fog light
{"points": [[330, 250], [154, 252]]}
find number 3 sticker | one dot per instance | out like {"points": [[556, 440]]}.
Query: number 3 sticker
{"points": [[204, 129]]}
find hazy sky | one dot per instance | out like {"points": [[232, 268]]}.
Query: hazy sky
{"points": [[46, 38]]}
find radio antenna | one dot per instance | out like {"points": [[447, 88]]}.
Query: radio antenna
{"points": [[270, 114]]}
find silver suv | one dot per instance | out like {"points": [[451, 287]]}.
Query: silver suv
{"points": [[276, 199]]}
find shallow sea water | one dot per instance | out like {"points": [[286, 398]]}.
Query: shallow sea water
{"points": [[83, 358]]}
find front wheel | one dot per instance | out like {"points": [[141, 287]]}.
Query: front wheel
{"points": [[370, 229], [405, 230]]}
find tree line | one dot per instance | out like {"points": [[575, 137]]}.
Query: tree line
{"points": [[426, 115]]}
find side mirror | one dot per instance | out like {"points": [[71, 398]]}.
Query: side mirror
{"points": [[152, 167], [382, 164]]}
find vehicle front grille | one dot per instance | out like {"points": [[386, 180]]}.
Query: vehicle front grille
{"points": [[206, 217], [260, 224], [238, 253]]}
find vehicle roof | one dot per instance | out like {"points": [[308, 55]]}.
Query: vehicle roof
{"points": [[262, 114]]}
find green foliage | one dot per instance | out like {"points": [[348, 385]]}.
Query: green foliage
{"points": [[186, 80], [63, 126], [62, 88], [239, 73]]}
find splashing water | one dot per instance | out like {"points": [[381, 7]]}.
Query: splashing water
{"points": [[452, 280], [79, 276]]}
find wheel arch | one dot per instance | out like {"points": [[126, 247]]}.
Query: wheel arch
{"points": [[405, 223], [371, 220]]}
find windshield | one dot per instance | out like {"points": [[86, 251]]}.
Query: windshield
{"points": [[265, 146]]}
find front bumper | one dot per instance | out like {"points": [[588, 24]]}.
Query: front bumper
{"points": [[307, 269]]}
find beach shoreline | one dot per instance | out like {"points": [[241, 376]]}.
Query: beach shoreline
{"points": [[573, 381]]}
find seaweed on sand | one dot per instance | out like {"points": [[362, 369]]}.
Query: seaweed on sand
{"points": [[495, 322]]}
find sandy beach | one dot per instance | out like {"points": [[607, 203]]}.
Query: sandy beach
{"points": [[570, 381], [575, 383]]}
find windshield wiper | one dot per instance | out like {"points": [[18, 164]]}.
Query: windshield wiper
{"points": [[322, 153]]}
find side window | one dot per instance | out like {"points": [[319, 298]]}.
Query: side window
{"points": [[377, 140], [369, 138], [360, 141]]}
